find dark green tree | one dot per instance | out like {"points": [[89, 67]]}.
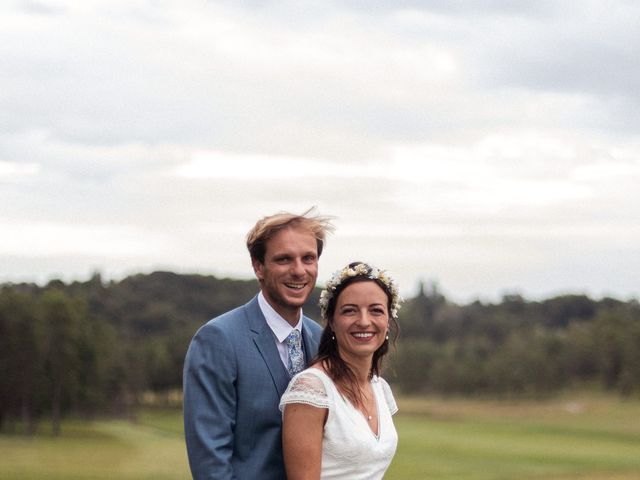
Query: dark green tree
{"points": [[62, 322], [21, 358]]}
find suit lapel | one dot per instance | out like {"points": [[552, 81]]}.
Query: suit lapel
{"points": [[266, 343]]}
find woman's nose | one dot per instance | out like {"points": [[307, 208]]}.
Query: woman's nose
{"points": [[364, 319]]}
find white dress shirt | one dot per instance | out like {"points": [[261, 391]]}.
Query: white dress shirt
{"points": [[279, 326]]}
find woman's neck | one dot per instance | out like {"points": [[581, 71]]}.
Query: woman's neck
{"points": [[361, 368]]}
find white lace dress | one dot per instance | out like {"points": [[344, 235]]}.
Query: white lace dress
{"points": [[350, 449]]}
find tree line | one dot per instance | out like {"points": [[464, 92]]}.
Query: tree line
{"points": [[97, 347], [518, 347]]}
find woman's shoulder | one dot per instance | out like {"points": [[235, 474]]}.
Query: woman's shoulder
{"points": [[312, 377], [315, 370], [381, 381], [311, 386], [386, 392]]}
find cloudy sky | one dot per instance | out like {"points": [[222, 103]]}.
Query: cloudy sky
{"points": [[492, 147]]}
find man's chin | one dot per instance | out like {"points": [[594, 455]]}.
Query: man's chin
{"points": [[296, 299]]}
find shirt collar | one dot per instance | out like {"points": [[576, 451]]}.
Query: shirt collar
{"points": [[280, 327]]}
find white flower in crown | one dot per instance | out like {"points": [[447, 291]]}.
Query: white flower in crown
{"points": [[363, 269]]}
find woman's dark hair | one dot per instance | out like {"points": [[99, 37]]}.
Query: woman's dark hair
{"points": [[328, 354]]}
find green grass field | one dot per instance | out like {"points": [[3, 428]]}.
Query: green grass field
{"points": [[589, 438]]}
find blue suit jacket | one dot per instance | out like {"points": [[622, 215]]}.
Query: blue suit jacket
{"points": [[233, 381]]}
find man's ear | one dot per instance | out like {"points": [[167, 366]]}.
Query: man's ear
{"points": [[258, 269]]}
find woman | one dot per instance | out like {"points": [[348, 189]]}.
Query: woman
{"points": [[337, 413]]}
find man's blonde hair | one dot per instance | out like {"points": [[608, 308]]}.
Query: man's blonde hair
{"points": [[267, 227]]}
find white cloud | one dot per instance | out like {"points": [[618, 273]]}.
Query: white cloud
{"points": [[486, 144], [10, 170], [244, 167], [55, 239]]}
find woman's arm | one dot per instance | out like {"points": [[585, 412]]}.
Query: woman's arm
{"points": [[302, 431]]}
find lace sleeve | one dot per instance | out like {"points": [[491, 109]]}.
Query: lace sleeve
{"points": [[306, 388], [388, 396]]}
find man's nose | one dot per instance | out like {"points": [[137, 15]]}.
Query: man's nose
{"points": [[297, 267]]}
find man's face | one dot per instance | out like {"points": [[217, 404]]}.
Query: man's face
{"points": [[289, 271]]}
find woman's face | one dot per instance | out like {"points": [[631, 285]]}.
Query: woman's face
{"points": [[360, 320]]}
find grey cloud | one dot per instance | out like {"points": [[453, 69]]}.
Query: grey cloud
{"points": [[573, 65], [464, 8], [590, 50], [108, 102], [39, 7]]}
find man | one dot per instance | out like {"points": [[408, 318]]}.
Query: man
{"points": [[239, 364]]}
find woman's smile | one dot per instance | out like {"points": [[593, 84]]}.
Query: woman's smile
{"points": [[361, 319], [363, 336]]}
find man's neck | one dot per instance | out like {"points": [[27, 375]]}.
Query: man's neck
{"points": [[291, 316], [289, 313]]}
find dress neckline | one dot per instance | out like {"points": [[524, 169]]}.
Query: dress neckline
{"points": [[373, 381]]}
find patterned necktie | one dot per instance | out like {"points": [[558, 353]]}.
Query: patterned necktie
{"points": [[296, 358]]}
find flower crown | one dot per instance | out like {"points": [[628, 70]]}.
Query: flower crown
{"points": [[364, 270]]}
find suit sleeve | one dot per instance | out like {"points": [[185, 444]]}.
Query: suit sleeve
{"points": [[210, 373]]}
